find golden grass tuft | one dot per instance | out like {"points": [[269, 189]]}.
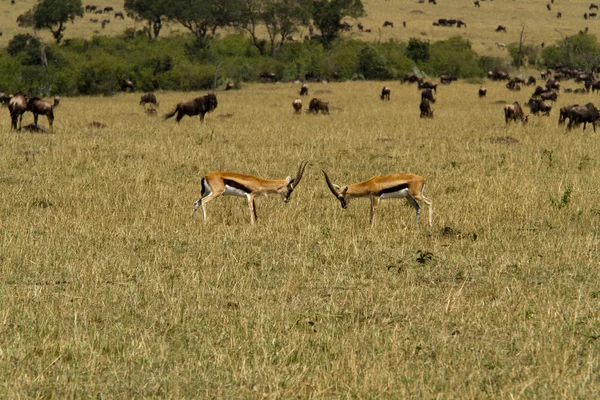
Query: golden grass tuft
{"points": [[108, 288]]}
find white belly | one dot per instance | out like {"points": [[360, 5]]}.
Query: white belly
{"points": [[231, 191], [400, 194]]}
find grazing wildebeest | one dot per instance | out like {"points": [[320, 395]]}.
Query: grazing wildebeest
{"points": [[580, 91], [317, 105], [198, 106], [501, 28], [385, 93], [427, 94], [585, 16], [404, 24], [595, 86], [549, 95], [592, 15], [427, 85], [5, 98], [482, 92], [388, 23], [103, 23], [548, 7], [514, 112], [593, 6], [568, 90], [412, 78], [539, 90], [425, 108], [476, 2], [346, 26], [90, 8], [498, 76], [98, 12], [368, 30], [17, 106], [108, 9], [268, 76], [434, 2], [537, 106], [361, 27], [126, 84], [148, 98], [41, 107], [513, 85], [297, 104], [564, 113], [304, 90], [447, 78], [587, 114], [119, 14], [460, 22], [93, 20], [559, 15], [230, 85], [531, 81]]}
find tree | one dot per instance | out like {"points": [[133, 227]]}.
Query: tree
{"points": [[282, 18], [417, 50], [328, 14], [52, 15], [202, 17], [580, 50], [152, 11]]}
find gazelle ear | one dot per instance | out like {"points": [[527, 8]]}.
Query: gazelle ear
{"points": [[337, 187], [288, 179]]}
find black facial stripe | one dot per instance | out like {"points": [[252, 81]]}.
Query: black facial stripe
{"points": [[236, 185], [394, 189]]}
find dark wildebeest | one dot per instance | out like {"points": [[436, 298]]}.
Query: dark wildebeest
{"points": [[90, 8], [564, 113], [270, 76], [595, 86], [553, 84], [513, 84], [126, 84], [476, 2], [361, 27], [17, 106], [447, 78], [434, 2], [460, 22], [41, 107], [119, 14], [198, 106], [592, 15], [549, 95], [514, 112], [229, 86], [317, 105], [427, 94], [498, 76], [593, 6], [531, 81], [587, 114], [148, 98], [425, 108], [304, 90], [580, 91], [559, 15], [501, 28], [585, 16], [345, 26], [482, 92], [388, 23], [385, 93], [412, 78], [537, 106], [548, 7], [427, 85], [404, 24], [108, 9], [5, 99], [297, 104]]}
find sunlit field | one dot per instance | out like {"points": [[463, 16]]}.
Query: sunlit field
{"points": [[540, 24], [108, 288]]}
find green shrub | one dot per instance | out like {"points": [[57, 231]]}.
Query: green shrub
{"points": [[580, 50], [453, 56]]}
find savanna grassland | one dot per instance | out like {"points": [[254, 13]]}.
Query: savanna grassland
{"points": [[109, 289]]}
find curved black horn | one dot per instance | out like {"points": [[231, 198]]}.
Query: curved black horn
{"points": [[330, 185], [296, 180]]}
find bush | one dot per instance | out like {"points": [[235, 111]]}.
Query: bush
{"points": [[453, 56], [417, 50], [529, 54], [580, 50]]}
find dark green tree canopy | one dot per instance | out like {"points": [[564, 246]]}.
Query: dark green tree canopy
{"points": [[328, 15], [152, 11], [52, 15]]}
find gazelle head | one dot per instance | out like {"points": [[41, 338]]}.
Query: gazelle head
{"points": [[288, 188], [339, 194]]}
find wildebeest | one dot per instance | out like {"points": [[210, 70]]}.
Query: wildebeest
{"points": [[434, 2], [548, 7], [108, 9], [514, 112], [198, 106], [580, 91], [119, 14], [553, 84], [346, 26], [385, 93], [587, 114], [41, 107], [361, 27], [513, 85], [268, 76], [304, 90], [531, 81], [425, 108], [592, 15], [5, 98], [460, 22], [537, 106], [498, 76], [447, 78], [126, 84], [593, 6], [297, 104], [559, 15], [230, 85], [317, 105], [90, 8], [564, 113], [596, 86], [501, 28], [17, 106], [482, 92], [427, 85], [412, 78], [476, 2], [388, 23], [148, 98], [549, 95], [427, 94]]}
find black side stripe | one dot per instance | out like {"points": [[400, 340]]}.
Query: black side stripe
{"points": [[203, 185], [236, 185], [394, 189]]}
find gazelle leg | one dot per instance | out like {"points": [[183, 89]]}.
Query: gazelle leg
{"points": [[374, 203], [252, 208], [429, 202], [416, 205], [202, 201]]}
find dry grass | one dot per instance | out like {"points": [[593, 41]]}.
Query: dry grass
{"points": [[108, 289]]}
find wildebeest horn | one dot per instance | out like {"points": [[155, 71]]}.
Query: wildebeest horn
{"points": [[296, 180], [330, 185]]}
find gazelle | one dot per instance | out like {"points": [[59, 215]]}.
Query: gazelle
{"points": [[397, 186], [215, 184]]}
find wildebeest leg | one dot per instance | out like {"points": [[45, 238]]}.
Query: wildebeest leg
{"points": [[35, 119], [20, 121], [50, 119], [180, 115], [416, 205]]}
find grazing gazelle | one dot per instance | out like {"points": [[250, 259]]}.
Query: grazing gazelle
{"points": [[215, 184], [397, 186]]}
